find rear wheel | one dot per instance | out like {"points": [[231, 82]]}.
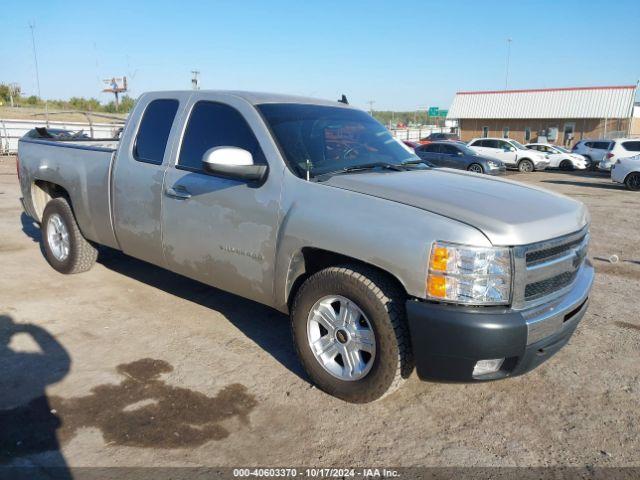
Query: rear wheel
{"points": [[525, 166], [476, 168], [350, 332], [566, 165], [633, 181], [66, 250]]}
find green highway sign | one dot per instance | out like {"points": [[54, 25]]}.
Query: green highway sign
{"points": [[436, 112]]}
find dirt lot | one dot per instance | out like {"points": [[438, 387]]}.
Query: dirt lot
{"points": [[90, 352]]}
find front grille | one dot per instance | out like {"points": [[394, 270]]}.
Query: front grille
{"points": [[546, 269], [539, 256], [544, 287]]}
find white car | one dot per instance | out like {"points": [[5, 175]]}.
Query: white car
{"points": [[560, 157], [627, 171], [593, 150], [512, 153], [620, 148]]}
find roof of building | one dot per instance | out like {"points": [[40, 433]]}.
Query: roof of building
{"points": [[575, 102]]}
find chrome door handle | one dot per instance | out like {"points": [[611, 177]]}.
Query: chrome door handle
{"points": [[178, 192]]}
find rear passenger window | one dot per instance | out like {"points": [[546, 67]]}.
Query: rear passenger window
{"points": [[153, 133], [429, 148], [602, 145], [632, 146], [216, 125]]}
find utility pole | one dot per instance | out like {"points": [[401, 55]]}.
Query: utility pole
{"points": [[506, 77], [371, 102], [194, 79], [35, 58]]}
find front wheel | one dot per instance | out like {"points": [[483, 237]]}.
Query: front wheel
{"points": [[525, 166], [566, 165], [350, 332], [476, 168], [633, 182]]}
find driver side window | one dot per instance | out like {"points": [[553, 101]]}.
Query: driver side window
{"points": [[213, 124]]}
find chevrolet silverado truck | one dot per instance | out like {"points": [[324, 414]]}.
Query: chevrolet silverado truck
{"points": [[384, 264]]}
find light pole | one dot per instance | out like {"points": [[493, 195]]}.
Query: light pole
{"points": [[506, 77], [35, 58]]}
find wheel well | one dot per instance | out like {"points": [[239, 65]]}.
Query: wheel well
{"points": [[42, 192], [316, 259]]}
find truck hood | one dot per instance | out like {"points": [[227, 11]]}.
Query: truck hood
{"points": [[507, 212]]}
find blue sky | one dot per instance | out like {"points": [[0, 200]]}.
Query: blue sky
{"points": [[402, 55]]}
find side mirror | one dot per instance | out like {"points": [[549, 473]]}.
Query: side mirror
{"points": [[234, 163]]}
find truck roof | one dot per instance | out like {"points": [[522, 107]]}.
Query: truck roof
{"points": [[257, 98]]}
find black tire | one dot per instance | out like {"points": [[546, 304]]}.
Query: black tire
{"points": [[82, 254], [591, 165], [633, 181], [475, 167], [382, 301], [525, 166], [566, 165]]}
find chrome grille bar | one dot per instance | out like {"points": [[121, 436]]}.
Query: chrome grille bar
{"points": [[545, 270]]}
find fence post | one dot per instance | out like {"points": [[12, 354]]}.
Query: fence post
{"points": [[90, 123]]}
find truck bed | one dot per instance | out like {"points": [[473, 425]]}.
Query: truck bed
{"points": [[83, 168]]}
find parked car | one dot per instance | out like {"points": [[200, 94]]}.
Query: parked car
{"points": [[560, 157], [459, 156], [619, 148], [627, 171], [434, 137], [592, 150], [512, 153], [312, 208]]}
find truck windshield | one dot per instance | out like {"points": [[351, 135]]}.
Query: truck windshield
{"points": [[323, 139]]}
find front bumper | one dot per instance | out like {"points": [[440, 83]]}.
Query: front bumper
{"points": [[448, 340], [541, 165], [501, 170]]}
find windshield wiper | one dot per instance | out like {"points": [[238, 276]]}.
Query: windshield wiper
{"points": [[416, 161], [363, 167]]}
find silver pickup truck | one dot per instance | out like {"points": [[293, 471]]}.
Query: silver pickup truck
{"points": [[384, 263]]}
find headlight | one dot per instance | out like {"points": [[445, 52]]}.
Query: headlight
{"points": [[470, 275], [492, 164]]}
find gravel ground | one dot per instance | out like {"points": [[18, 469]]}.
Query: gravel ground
{"points": [[130, 365]]}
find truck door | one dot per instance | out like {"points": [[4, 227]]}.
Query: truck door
{"points": [[138, 175], [217, 230]]}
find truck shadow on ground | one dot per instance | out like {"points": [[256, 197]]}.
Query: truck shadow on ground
{"points": [[266, 327]]}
